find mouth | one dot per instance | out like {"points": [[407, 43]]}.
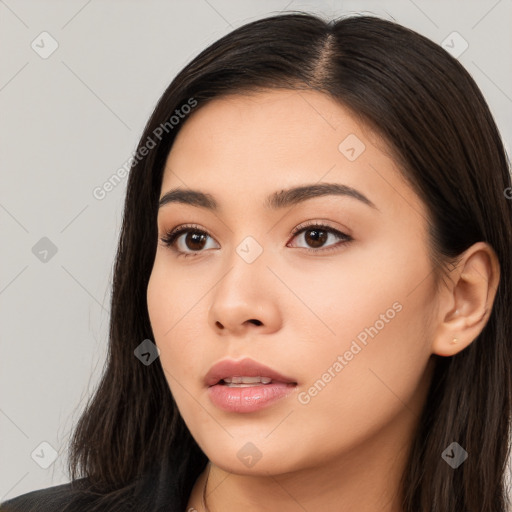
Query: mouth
{"points": [[244, 373], [245, 382], [246, 386]]}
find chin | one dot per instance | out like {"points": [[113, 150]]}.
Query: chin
{"points": [[255, 458]]}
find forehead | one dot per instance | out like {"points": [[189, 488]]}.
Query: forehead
{"points": [[241, 146], [260, 132], [277, 120]]}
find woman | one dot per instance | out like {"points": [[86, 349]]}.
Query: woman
{"points": [[312, 292]]}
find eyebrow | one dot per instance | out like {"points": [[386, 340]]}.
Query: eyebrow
{"points": [[275, 201]]}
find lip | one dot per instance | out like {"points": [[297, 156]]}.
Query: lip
{"points": [[246, 399], [244, 368]]}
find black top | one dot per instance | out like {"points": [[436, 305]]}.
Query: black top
{"points": [[42, 500], [157, 491]]}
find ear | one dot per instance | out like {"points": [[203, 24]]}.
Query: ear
{"points": [[465, 303]]}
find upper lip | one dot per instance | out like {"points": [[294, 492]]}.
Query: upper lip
{"points": [[243, 368]]}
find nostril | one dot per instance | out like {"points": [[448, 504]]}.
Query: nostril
{"points": [[257, 322]]}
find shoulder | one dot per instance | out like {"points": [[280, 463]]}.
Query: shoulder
{"points": [[50, 499], [159, 489]]}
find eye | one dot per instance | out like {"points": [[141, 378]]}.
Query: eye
{"points": [[317, 234], [195, 238]]}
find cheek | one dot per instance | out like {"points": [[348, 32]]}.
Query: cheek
{"points": [[373, 366], [173, 298], [170, 311], [372, 385]]}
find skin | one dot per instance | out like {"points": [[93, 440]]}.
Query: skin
{"points": [[346, 448]]}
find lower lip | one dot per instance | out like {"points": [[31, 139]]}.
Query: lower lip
{"points": [[248, 399]]}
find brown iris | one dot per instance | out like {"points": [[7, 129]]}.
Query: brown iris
{"points": [[193, 238], [318, 237]]}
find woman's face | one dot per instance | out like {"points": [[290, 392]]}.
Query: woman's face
{"points": [[341, 310]]}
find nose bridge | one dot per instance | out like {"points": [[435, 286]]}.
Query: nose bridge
{"points": [[242, 294], [246, 269]]}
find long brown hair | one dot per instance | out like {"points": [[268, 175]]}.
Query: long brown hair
{"points": [[431, 113]]}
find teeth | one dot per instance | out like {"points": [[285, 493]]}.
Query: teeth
{"points": [[246, 381]]}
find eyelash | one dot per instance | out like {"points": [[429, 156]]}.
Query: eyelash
{"points": [[172, 235]]}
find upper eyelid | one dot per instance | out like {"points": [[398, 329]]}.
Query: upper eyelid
{"points": [[314, 223], [303, 225]]}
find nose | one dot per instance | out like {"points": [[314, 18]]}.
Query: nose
{"points": [[243, 303]]}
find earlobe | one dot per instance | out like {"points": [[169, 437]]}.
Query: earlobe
{"points": [[466, 302]]}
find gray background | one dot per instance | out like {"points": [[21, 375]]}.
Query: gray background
{"points": [[68, 122]]}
